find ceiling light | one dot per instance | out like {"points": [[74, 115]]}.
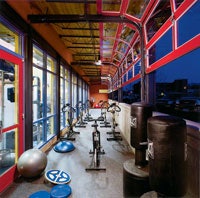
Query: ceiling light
{"points": [[98, 62]]}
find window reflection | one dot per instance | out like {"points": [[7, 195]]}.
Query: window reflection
{"points": [[111, 5], [178, 3], [8, 93], [161, 48], [189, 22], [179, 93], [137, 8], [9, 38], [7, 150], [158, 18], [131, 92], [44, 97]]}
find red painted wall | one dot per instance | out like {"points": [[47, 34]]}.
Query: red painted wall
{"points": [[95, 95]]}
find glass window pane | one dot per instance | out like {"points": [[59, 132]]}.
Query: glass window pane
{"points": [[51, 90], [37, 133], [131, 92], [178, 3], [159, 17], [50, 126], [111, 5], [189, 22], [161, 48], [38, 57], [137, 68], [51, 64], [178, 87], [37, 93], [8, 93], [9, 39], [7, 150], [137, 8]]}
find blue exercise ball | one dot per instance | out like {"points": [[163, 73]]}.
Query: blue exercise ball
{"points": [[64, 146], [32, 163]]}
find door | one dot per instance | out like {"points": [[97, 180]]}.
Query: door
{"points": [[11, 115]]}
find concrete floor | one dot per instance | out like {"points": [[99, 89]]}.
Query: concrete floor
{"points": [[84, 184]]}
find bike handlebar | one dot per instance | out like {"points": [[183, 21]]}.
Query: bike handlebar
{"points": [[114, 108], [68, 108]]}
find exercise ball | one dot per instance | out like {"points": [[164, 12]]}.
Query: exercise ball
{"points": [[32, 163], [64, 147]]}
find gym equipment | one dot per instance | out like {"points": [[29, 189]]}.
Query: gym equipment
{"points": [[135, 180], [64, 147], [167, 152], [113, 108], [96, 152], [88, 117], [135, 171], [40, 194], [80, 109], [61, 191], [104, 107], [32, 163], [70, 112], [57, 176], [140, 112]]}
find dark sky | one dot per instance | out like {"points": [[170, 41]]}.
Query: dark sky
{"points": [[187, 67]]}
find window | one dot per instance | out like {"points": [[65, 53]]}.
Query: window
{"points": [[178, 87], [159, 17], [44, 99], [64, 94], [161, 48], [9, 38], [189, 22]]}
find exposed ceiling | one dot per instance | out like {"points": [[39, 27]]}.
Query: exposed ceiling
{"points": [[98, 33]]}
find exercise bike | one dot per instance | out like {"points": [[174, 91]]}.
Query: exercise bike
{"points": [[103, 117], [113, 108], [97, 150], [70, 111], [88, 117], [80, 109]]}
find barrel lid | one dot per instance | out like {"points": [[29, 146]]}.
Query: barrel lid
{"points": [[130, 167]]}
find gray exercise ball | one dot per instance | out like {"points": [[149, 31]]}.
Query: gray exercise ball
{"points": [[32, 163]]}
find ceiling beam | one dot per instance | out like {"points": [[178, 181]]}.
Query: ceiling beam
{"points": [[85, 54], [83, 1], [82, 47], [64, 18], [71, 28], [83, 43], [79, 36]]}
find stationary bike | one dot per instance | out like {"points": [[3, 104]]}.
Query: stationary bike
{"points": [[113, 108], [88, 117], [70, 111], [97, 150], [80, 109], [103, 118]]}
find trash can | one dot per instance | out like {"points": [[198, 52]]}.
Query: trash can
{"points": [[167, 155]]}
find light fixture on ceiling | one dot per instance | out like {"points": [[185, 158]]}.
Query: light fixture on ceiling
{"points": [[98, 62]]}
